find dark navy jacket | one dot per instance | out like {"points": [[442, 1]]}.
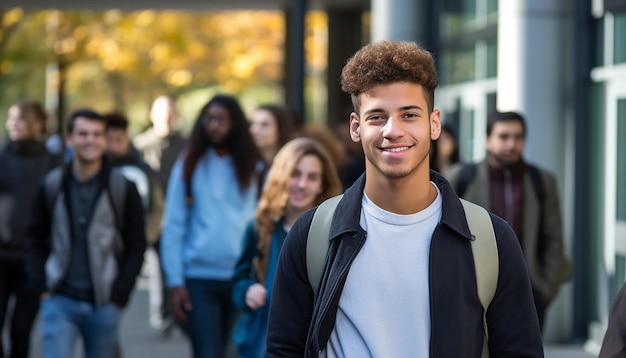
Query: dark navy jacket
{"points": [[301, 326]]}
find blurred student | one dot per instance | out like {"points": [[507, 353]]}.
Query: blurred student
{"points": [[353, 159], [212, 194], [302, 175], [160, 145], [524, 195], [24, 161], [85, 245], [126, 158], [325, 136], [271, 127], [447, 148]]}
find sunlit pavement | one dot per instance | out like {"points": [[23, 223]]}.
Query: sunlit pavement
{"points": [[140, 341]]}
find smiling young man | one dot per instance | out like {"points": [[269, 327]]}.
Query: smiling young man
{"points": [[399, 279], [84, 251]]}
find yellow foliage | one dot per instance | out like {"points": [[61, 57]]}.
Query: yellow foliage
{"points": [[178, 78], [81, 33], [112, 17], [145, 18], [6, 66], [148, 52], [12, 17]]}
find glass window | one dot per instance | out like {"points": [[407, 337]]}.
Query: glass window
{"points": [[459, 66], [457, 16], [597, 43], [619, 45], [492, 59], [621, 160], [492, 101], [492, 7], [467, 135]]}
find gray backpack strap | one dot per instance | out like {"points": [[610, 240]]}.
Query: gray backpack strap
{"points": [[52, 185], [117, 193], [318, 240], [485, 252]]}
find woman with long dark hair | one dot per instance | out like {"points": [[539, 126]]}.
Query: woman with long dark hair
{"points": [[211, 195]]}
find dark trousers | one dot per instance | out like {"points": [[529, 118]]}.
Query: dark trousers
{"points": [[14, 283], [212, 317]]}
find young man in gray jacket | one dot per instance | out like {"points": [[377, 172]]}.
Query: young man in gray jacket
{"points": [[399, 278], [85, 245]]}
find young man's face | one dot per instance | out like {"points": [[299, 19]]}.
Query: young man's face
{"points": [[506, 142], [395, 129], [118, 142], [88, 140]]}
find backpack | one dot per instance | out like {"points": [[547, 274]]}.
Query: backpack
{"points": [[483, 243], [116, 191], [468, 172]]}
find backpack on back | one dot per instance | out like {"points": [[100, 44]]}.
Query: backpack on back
{"points": [[116, 191], [483, 243]]}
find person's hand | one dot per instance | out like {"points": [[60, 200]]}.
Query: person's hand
{"points": [[181, 305], [255, 296]]}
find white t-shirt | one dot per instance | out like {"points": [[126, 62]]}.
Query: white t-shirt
{"points": [[384, 309]]}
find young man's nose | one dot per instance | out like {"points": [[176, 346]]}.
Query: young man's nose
{"points": [[393, 127]]}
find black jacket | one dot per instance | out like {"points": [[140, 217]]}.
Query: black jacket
{"points": [[23, 164], [298, 326], [48, 246]]}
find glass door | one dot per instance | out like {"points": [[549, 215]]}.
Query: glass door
{"points": [[615, 182]]}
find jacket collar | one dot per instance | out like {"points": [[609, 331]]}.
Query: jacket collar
{"points": [[348, 213], [103, 174]]}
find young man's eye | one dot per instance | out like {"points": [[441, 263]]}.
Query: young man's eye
{"points": [[375, 118]]}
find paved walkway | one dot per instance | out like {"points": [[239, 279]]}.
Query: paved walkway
{"points": [[139, 341]]}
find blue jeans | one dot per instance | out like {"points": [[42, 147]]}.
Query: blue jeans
{"points": [[212, 317], [63, 319]]}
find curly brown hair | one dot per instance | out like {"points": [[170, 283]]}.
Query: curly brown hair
{"points": [[386, 62]]}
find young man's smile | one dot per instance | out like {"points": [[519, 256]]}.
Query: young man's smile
{"points": [[395, 128]]}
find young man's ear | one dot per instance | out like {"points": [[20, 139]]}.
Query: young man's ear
{"points": [[355, 127], [435, 124]]}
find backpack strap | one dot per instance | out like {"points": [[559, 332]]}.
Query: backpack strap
{"points": [[52, 185], [117, 191], [485, 252], [117, 194], [466, 175], [318, 240]]}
